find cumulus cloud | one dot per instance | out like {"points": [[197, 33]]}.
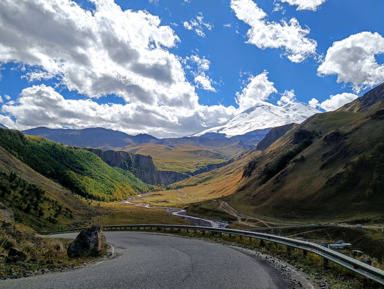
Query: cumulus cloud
{"points": [[289, 36], [205, 82], [106, 51], [198, 25], [334, 102], [41, 105], [287, 97], [259, 88], [198, 67], [305, 4], [353, 60]]}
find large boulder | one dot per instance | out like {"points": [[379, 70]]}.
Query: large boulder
{"points": [[90, 242], [16, 255]]}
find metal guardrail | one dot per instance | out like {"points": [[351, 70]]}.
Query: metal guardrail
{"points": [[354, 265]]}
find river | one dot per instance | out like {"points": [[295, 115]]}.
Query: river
{"points": [[182, 213]]}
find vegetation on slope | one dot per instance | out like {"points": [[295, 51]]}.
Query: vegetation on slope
{"points": [[182, 159], [77, 169], [30, 203]]}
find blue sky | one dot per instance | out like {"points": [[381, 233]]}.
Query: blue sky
{"points": [[176, 67]]}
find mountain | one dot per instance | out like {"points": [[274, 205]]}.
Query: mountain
{"points": [[183, 155], [327, 168], [91, 137], [371, 101], [3, 126], [110, 139], [261, 116], [79, 170]]}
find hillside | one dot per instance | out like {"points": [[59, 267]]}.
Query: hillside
{"points": [[182, 159], [327, 168], [37, 201], [76, 169]]}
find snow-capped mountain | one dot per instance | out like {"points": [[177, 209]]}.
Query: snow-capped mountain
{"points": [[263, 115]]}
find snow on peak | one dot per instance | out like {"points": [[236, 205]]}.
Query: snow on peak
{"points": [[263, 115]]}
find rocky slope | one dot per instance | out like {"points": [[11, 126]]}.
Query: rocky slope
{"points": [[141, 166], [273, 135]]}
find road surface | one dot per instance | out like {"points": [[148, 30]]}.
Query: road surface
{"points": [[149, 260]]}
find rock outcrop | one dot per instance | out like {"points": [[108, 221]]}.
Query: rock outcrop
{"points": [[273, 135], [210, 167], [141, 166], [90, 242]]}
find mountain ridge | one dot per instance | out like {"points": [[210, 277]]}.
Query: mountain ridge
{"points": [[261, 116]]}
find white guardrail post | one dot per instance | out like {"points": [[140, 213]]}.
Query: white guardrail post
{"points": [[354, 265]]}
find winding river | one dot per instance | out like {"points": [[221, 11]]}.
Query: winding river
{"points": [[182, 213]]}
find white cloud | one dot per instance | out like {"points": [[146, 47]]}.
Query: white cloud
{"points": [[187, 25], [287, 97], [314, 103], [277, 7], [353, 60], [5, 96], [198, 25], [305, 4], [42, 106], [106, 51], [97, 53], [259, 88], [334, 102], [289, 36], [202, 80]]}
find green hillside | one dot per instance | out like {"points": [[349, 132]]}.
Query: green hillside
{"points": [[77, 169]]}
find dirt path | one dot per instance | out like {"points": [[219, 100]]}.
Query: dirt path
{"points": [[243, 218]]}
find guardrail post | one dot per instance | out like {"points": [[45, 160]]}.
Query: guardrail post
{"points": [[289, 250], [325, 262], [304, 253], [262, 243]]}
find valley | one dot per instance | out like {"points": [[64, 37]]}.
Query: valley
{"points": [[326, 170]]}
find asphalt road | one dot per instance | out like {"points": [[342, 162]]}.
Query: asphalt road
{"points": [[162, 261]]}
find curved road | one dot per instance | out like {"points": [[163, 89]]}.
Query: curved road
{"points": [[162, 261]]}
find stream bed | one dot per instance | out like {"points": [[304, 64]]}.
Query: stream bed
{"points": [[183, 213]]}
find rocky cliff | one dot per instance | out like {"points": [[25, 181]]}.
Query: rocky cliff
{"points": [[141, 166], [273, 135]]}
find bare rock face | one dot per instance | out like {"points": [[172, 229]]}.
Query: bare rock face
{"points": [[90, 242]]}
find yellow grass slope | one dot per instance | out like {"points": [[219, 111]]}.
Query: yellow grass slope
{"points": [[181, 159]]}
